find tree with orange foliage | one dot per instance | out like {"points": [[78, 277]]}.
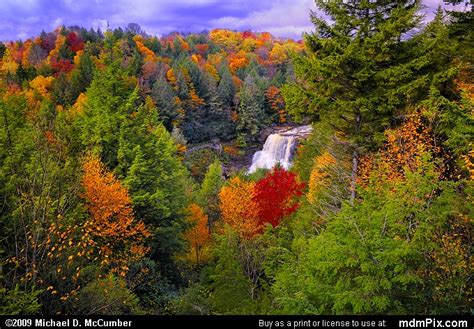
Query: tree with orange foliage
{"points": [[202, 48], [119, 236], [198, 235], [451, 264], [40, 90], [42, 85], [239, 208], [9, 62], [54, 53], [237, 60], [145, 51], [274, 97], [171, 78]]}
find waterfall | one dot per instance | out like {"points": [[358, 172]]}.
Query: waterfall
{"points": [[278, 148]]}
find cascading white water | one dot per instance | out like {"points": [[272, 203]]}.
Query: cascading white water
{"points": [[278, 148]]}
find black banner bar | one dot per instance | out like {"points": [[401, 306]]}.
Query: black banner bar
{"points": [[258, 322]]}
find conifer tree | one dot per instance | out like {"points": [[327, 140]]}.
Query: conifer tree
{"points": [[226, 88], [158, 184], [217, 110], [109, 99], [81, 78], [250, 109], [209, 193], [165, 99], [358, 70]]}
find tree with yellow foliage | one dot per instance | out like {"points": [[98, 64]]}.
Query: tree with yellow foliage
{"points": [[238, 207], [198, 235], [278, 54], [320, 174]]}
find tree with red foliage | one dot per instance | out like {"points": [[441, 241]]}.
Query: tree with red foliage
{"points": [[248, 34], [61, 65], [75, 42], [275, 195]]}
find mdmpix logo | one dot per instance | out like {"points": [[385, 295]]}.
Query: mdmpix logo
{"points": [[432, 323]]}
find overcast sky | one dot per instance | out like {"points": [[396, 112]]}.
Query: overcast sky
{"points": [[21, 19]]}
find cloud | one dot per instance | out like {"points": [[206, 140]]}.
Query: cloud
{"points": [[283, 18], [57, 22], [99, 24]]}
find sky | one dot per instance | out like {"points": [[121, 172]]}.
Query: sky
{"points": [[22, 19]]}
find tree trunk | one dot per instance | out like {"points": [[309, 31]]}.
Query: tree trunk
{"points": [[355, 156], [355, 165]]}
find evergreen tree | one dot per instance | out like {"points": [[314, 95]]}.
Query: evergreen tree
{"points": [[110, 99], [251, 108], [178, 137], [197, 78], [165, 99], [449, 58], [81, 78], [158, 184], [359, 69], [373, 256], [217, 111], [209, 192], [181, 84], [59, 89], [226, 88]]}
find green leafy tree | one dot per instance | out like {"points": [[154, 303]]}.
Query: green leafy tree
{"points": [[107, 295], [372, 256]]}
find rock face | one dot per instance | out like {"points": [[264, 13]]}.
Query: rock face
{"points": [[279, 147]]}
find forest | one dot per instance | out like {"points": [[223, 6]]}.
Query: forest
{"points": [[111, 203]]}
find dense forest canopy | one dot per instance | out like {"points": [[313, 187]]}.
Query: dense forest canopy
{"points": [[209, 85], [112, 203]]}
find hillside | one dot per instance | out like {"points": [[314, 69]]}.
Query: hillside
{"points": [[120, 188], [220, 84]]}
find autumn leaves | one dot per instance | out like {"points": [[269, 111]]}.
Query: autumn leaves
{"points": [[248, 206], [119, 236]]}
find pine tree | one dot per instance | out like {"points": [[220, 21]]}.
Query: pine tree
{"points": [[217, 110], [358, 70], [373, 257]]}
